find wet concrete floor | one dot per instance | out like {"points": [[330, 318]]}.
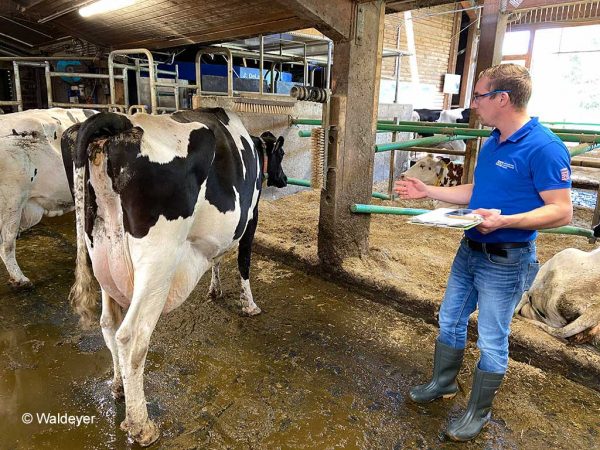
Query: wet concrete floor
{"points": [[321, 368]]}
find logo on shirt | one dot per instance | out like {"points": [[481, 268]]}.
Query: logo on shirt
{"points": [[505, 165], [564, 174]]}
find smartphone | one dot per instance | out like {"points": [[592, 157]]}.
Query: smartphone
{"points": [[460, 212]]}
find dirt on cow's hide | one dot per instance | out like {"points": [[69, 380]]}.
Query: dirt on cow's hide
{"points": [[409, 257]]}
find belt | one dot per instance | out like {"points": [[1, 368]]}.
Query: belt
{"points": [[495, 248]]}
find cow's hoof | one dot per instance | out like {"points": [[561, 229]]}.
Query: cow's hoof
{"points": [[147, 435], [251, 310], [214, 294], [23, 284], [117, 391]]}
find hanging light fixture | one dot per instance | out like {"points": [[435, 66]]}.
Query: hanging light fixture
{"points": [[103, 6]]}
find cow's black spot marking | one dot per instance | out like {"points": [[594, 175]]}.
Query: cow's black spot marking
{"points": [[228, 168], [72, 117], [88, 113], [33, 133], [67, 145], [55, 136], [149, 190]]}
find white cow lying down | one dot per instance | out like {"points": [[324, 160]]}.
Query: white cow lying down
{"points": [[564, 299], [33, 182]]}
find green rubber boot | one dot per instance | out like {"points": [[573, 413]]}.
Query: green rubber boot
{"points": [[479, 408], [446, 364]]}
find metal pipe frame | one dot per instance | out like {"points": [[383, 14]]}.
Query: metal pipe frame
{"points": [[46, 58], [214, 51], [359, 208], [18, 86], [120, 108], [152, 74], [261, 64], [433, 140]]}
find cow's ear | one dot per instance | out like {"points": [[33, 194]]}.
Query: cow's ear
{"points": [[279, 143], [268, 136]]}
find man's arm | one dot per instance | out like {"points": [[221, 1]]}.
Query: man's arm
{"points": [[413, 188], [460, 195], [557, 211]]}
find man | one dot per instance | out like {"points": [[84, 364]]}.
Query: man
{"points": [[521, 184]]}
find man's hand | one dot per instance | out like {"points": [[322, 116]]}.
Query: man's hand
{"points": [[410, 188], [492, 220]]}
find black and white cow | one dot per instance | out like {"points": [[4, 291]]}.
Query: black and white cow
{"points": [[457, 115], [32, 178], [159, 200]]}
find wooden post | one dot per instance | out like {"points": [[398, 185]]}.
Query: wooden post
{"points": [[493, 27], [353, 120]]}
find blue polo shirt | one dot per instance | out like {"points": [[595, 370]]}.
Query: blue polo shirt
{"points": [[510, 175]]}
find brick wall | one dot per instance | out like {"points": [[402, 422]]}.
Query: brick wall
{"points": [[432, 37]]}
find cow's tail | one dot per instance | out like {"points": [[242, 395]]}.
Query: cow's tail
{"points": [[83, 295]]}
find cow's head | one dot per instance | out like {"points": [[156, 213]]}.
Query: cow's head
{"points": [[427, 169], [274, 150]]}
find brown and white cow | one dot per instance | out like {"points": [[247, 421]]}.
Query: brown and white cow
{"points": [[33, 183], [159, 200], [564, 299], [436, 171]]}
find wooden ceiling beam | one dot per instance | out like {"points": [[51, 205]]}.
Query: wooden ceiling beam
{"points": [[220, 35], [409, 5], [470, 12], [334, 18]]}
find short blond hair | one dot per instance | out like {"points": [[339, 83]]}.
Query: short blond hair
{"points": [[513, 78]]}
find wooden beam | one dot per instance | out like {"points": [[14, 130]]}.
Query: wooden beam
{"points": [[393, 6], [453, 54], [493, 27], [213, 36], [526, 4], [471, 12], [350, 156], [468, 74], [334, 18]]}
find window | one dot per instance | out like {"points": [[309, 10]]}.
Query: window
{"points": [[516, 43], [565, 75]]}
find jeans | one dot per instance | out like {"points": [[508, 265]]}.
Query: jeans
{"points": [[494, 284]]}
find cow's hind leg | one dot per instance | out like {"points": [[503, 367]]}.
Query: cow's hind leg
{"points": [[153, 275], [244, 256], [110, 320], [10, 219], [215, 290]]}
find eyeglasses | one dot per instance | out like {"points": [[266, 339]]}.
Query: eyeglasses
{"points": [[476, 97]]}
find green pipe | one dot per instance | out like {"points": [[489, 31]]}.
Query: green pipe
{"points": [[306, 183], [482, 133], [573, 123], [298, 182], [380, 196], [582, 148], [574, 231], [433, 140], [308, 133], [573, 131], [376, 209], [306, 121], [434, 125]]}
